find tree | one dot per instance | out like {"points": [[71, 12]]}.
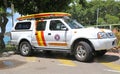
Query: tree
{"points": [[87, 12], [105, 7], [3, 22], [111, 19], [101, 21], [36, 6], [83, 3]]}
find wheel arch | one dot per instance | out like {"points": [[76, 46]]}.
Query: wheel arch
{"points": [[81, 39], [22, 41]]}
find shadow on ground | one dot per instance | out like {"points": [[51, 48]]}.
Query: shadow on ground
{"points": [[54, 55], [107, 58], [59, 55]]}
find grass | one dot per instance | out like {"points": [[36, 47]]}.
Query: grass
{"points": [[8, 48]]}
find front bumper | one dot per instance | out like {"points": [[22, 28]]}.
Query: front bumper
{"points": [[102, 44]]}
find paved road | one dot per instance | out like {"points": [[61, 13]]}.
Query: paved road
{"points": [[57, 63]]}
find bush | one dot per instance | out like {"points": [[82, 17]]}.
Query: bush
{"points": [[118, 37], [7, 48]]}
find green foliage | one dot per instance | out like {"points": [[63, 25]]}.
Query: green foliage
{"points": [[78, 12], [8, 48], [74, 8], [108, 11], [1, 10], [37, 6], [101, 21], [83, 3], [111, 19], [85, 12]]}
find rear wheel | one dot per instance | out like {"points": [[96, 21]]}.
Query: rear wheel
{"points": [[25, 48], [83, 52]]}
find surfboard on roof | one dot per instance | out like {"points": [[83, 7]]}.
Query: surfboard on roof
{"points": [[43, 15]]}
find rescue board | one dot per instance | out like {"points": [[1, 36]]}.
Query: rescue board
{"points": [[44, 15]]}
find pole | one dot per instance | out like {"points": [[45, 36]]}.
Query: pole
{"points": [[12, 8], [97, 16]]}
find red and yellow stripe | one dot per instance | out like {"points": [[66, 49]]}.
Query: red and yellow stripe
{"points": [[40, 38], [57, 44]]}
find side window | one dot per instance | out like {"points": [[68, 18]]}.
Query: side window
{"points": [[23, 25], [41, 26], [56, 25]]}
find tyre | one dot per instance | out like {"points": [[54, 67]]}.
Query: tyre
{"points": [[100, 53], [25, 48], [83, 52]]}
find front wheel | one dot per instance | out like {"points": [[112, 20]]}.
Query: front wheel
{"points": [[25, 48], [83, 52]]}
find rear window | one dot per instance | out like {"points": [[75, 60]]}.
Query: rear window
{"points": [[23, 25], [41, 26]]}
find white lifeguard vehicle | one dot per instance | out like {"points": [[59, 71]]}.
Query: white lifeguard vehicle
{"points": [[55, 31]]}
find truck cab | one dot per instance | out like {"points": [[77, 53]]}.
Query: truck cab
{"points": [[61, 34]]}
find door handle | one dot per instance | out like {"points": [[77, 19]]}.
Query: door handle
{"points": [[49, 33]]}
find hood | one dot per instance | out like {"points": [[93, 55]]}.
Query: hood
{"points": [[91, 32]]}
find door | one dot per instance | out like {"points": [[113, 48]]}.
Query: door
{"points": [[56, 34], [38, 39], [50, 34]]}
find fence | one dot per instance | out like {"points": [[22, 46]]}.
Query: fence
{"points": [[113, 27]]}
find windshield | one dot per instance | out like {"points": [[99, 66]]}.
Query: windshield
{"points": [[73, 23]]}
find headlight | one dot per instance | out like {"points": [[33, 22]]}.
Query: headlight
{"points": [[101, 35], [111, 35]]}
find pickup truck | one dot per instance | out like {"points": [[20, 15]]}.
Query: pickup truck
{"points": [[46, 33]]}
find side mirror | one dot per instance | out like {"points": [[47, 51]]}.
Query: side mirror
{"points": [[63, 27]]}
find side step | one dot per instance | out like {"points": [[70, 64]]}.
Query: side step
{"points": [[53, 49]]}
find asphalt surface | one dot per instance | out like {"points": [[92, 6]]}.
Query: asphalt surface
{"points": [[59, 63]]}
